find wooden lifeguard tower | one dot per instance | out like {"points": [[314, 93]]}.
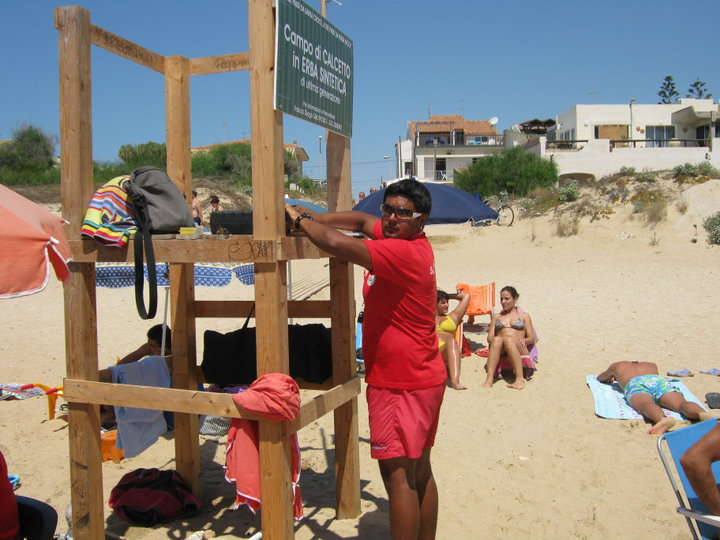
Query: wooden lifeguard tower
{"points": [[268, 248]]}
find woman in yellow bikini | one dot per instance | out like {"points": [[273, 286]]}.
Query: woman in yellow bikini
{"points": [[446, 324], [511, 333]]}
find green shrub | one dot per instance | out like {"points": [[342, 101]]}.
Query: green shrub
{"points": [[29, 151], [706, 169], [646, 176], [712, 226], [513, 170], [627, 171], [569, 191], [687, 169], [149, 153], [29, 177], [104, 171]]}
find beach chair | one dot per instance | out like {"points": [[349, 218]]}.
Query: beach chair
{"points": [[52, 394], [482, 302], [675, 443]]}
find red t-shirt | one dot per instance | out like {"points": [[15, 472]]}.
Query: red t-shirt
{"points": [[400, 345], [9, 525]]}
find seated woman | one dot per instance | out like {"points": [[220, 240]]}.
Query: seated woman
{"points": [[446, 325], [511, 333]]}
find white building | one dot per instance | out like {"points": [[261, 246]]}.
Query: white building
{"points": [[434, 148], [600, 139]]}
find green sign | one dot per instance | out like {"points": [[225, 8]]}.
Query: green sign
{"points": [[313, 68]]}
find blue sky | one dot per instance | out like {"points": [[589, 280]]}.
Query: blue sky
{"points": [[516, 60]]}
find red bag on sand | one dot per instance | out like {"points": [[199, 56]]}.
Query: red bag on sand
{"points": [[148, 496]]}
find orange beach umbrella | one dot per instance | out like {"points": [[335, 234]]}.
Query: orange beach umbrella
{"points": [[32, 240]]}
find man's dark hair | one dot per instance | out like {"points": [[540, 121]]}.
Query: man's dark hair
{"points": [[214, 199], [412, 190], [156, 332], [194, 193]]}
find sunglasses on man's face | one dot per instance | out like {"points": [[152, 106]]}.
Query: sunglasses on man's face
{"points": [[400, 213]]}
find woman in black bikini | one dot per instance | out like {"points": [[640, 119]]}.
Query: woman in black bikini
{"points": [[511, 333]]}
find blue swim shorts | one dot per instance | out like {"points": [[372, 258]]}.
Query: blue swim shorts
{"points": [[654, 385]]}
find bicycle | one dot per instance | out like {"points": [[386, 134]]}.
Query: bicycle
{"points": [[505, 214]]}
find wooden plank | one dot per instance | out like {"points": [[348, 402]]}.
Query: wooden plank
{"points": [[86, 490], [315, 309], [347, 448], [270, 278], [177, 135], [324, 403], [338, 172], [127, 49], [220, 64], [237, 249], [147, 397], [198, 402], [298, 247], [75, 115]]}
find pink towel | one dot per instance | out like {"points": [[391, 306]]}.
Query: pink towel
{"points": [[274, 396]]}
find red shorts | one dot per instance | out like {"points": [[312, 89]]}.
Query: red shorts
{"points": [[403, 422]]}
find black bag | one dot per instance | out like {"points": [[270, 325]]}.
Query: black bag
{"points": [[230, 359], [160, 207], [148, 496]]}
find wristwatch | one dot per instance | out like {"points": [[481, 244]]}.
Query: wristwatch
{"points": [[300, 218]]}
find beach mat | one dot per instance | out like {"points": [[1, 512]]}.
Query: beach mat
{"points": [[610, 400], [11, 391]]}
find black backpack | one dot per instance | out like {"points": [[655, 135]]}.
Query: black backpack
{"points": [[160, 207], [148, 496]]}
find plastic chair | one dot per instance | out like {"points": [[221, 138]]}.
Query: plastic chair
{"points": [[38, 520], [52, 394], [701, 523]]}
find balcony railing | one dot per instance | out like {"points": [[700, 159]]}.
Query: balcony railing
{"points": [[577, 144]]}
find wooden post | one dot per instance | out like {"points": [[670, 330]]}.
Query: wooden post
{"points": [[73, 24], [270, 278], [342, 302], [182, 288]]}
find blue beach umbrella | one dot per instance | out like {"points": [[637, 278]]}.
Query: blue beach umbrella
{"points": [[449, 205], [308, 205]]}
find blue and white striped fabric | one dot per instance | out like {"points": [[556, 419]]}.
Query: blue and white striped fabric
{"points": [[117, 275]]}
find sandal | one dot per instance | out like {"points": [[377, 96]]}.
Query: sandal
{"points": [[682, 373], [713, 371]]}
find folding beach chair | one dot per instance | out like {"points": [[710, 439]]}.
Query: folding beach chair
{"points": [[482, 300], [701, 523]]}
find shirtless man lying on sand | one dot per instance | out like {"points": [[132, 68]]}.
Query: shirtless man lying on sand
{"points": [[647, 392]]}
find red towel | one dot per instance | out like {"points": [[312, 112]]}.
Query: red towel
{"points": [[274, 396]]}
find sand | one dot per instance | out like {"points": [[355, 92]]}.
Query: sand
{"points": [[512, 464]]}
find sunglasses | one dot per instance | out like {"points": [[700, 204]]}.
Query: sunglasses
{"points": [[400, 213]]}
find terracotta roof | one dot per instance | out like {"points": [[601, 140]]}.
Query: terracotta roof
{"points": [[440, 123]]}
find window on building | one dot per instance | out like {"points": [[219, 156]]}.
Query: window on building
{"points": [[659, 136]]}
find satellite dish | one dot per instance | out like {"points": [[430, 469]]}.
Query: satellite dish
{"points": [[494, 120]]}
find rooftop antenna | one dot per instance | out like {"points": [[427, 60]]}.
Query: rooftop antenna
{"points": [[494, 120], [593, 94], [430, 104]]}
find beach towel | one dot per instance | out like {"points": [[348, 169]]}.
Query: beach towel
{"points": [[12, 391], [610, 400], [274, 396], [138, 429]]}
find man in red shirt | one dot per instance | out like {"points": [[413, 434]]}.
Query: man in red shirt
{"points": [[404, 369]]}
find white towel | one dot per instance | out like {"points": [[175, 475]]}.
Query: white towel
{"points": [[138, 429]]}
